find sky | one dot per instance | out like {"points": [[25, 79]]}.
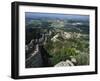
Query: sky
{"points": [[37, 15]]}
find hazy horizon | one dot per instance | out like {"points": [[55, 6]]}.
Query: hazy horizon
{"points": [[37, 15]]}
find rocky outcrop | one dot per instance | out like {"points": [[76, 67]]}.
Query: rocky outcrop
{"points": [[71, 62], [65, 35], [64, 63], [54, 39]]}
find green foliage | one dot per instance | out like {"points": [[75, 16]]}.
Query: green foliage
{"points": [[72, 51], [45, 24], [35, 23], [62, 54], [59, 55], [62, 49], [82, 59]]}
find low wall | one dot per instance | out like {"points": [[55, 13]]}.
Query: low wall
{"points": [[34, 61]]}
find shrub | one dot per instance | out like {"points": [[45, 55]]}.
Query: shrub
{"points": [[62, 55], [82, 59]]}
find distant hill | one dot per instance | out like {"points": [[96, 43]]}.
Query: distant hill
{"points": [[31, 15]]}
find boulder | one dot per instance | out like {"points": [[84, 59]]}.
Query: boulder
{"points": [[64, 63]]}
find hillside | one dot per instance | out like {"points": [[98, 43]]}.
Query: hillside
{"points": [[58, 40]]}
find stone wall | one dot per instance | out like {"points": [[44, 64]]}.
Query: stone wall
{"points": [[34, 61]]}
